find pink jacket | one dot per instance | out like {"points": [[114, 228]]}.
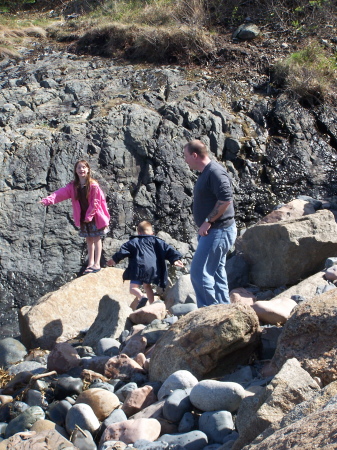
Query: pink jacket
{"points": [[97, 205]]}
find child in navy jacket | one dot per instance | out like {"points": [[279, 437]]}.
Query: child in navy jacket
{"points": [[147, 262]]}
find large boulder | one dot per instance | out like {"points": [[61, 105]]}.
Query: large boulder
{"points": [[310, 335], [61, 315], [282, 253], [321, 399], [291, 386], [313, 431], [292, 210], [217, 336], [306, 288]]}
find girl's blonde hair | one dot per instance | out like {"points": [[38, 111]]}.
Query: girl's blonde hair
{"points": [[88, 181]]}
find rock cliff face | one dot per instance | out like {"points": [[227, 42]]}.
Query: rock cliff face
{"points": [[131, 123]]}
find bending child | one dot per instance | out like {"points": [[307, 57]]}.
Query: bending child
{"points": [[147, 262], [90, 210]]}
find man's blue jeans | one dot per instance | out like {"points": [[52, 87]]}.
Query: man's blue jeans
{"points": [[208, 271]]}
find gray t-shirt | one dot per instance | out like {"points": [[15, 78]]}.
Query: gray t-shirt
{"points": [[213, 184]]}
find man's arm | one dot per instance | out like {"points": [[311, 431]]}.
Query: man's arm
{"points": [[219, 208]]}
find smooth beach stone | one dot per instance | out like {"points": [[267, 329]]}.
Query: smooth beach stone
{"points": [[181, 379], [57, 412], [101, 401], [102, 385], [108, 347], [83, 416], [33, 367], [123, 392], [17, 408], [67, 386], [83, 441], [24, 421], [132, 430], [180, 309], [187, 423], [194, 440], [213, 395], [11, 351], [35, 398], [62, 358], [177, 404], [154, 331], [45, 425], [118, 415], [5, 399], [213, 447], [216, 425], [139, 399]]}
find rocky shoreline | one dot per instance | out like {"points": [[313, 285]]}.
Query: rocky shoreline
{"points": [[255, 374]]}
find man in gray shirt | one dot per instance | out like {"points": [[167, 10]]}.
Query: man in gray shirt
{"points": [[213, 213]]}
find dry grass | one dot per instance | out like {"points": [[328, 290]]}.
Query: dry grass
{"points": [[310, 74], [10, 38], [152, 44]]}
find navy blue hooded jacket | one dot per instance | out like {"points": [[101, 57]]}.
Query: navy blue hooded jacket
{"points": [[147, 255]]}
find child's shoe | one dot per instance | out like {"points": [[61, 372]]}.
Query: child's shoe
{"points": [[142, 302]]}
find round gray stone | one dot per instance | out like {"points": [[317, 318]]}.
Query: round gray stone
{"points": [[11, 352], [213, 395], [83, 416], [181, 379], [194, 440], [216, 425], [177, 404]]}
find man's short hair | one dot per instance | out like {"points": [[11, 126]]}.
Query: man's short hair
{"points": [[143, 226], [197, 147]]}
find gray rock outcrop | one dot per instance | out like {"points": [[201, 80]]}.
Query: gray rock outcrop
{"points": [[131, 124]]}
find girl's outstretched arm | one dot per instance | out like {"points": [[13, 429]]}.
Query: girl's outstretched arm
{"points": [[58, 196]]}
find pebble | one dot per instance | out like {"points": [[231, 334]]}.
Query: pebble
{"points": [[24, 421], [62, 358], [177, 404], [187, 423], [138, 399], [67, 386], [213, 395], [83, 440], [27, 366], [132, 430], [57, 411], [101, 401], [83, 416], [180, 309], [216, 425], [181, 379], [11, 351], [108, 347], [194, 440], [123, 392]]}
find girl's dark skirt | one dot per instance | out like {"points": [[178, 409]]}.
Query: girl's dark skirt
{"points": [[90, 230]]}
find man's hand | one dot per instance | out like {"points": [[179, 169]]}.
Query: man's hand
{"points": [[203, 230], [110, 263]]}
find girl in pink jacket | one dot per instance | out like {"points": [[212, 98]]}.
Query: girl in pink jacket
{"points": [[90, 210]]}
